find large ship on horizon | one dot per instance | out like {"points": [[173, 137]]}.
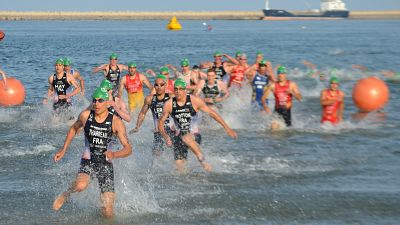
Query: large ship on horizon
{"points": [[329, 9]]}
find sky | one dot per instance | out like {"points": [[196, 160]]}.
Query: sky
{"points": [[184, 5]]}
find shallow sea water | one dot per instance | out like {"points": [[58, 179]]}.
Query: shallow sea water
{"points": [[306, 174]]}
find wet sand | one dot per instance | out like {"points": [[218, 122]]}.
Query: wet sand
{"points": [[131, 15]]}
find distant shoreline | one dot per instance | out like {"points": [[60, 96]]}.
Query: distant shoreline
{"points": [[182, 15]]}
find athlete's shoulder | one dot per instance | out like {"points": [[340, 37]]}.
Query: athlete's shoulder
{"points": [[76, 73], [121, 66], [168, 103], [69, 75], [196, 100], [84, 115], [149, 98], [116, 119]]}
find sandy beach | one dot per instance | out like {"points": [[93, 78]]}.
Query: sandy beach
{"points": [[186, 15]]}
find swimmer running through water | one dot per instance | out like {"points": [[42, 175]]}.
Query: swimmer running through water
{"points": [[332, 102], [133, 84], [191, 77], [112, 72], [183, 108], [59, 83], [155, 102], [99, 125], [260, 78], [214, 91], [283, 91]]}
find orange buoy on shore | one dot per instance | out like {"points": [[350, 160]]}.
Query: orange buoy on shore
{"points": [[12, 92], [2, 35], [174, 24], [370, 94]]}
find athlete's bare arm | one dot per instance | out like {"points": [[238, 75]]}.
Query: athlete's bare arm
{"points": [[199, 88], [3, 74], [71, 134], [142, 113], [122, 67], [121, 86], [121, 109], [224, 89], [146, 81], [119, 129], [102, 68], [295, 91], [166, 111], [50, 90], [201, 105], [81, 81], [77, 88], [266, 93]]}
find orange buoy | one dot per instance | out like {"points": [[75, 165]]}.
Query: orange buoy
{"points": [[370, 94], [2, 35], [12, 93]]}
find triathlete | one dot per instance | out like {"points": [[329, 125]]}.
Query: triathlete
{"points": [[237, 72], [214, 91], [283, 91], [112, 72], [155, 102], [191, 77], [59, 83], [259, 80], [75, 74], [99, 125], [220, 66], [183, 109], [332, 102], [133, 84]]}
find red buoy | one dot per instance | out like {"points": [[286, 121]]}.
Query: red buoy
{"points": [[370, 94], [2, 35], [13, 93]]}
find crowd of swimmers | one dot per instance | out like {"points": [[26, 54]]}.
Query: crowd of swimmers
{"points": [[176, 98]]}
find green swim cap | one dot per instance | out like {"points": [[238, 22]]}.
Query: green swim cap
{"points": [[67, 61], [113, 56], [263, 63], [100, 93], [180, 83], [106, 85], [60, 61], [239, 53], [334, 80], [160, 76], [164, 69], [185, 62], [217, 53], [281, 70], [259, 53], [131, 64]]}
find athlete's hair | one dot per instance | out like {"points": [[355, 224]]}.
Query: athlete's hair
{"points": [[211, 70]]}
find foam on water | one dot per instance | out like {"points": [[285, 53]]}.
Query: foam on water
{"points": [[23, 151]]}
